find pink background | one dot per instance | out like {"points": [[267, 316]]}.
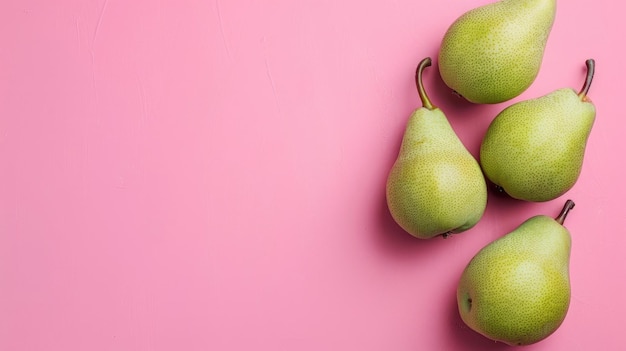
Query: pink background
{"points": [[209, 175]]}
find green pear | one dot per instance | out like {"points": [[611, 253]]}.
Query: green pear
{"points": [[493, 53], [516, 290], [435, 186], [533, 150]]}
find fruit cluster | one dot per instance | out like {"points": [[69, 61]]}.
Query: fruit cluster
{"points": [[516, 289]]}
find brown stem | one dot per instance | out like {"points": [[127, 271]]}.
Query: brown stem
{"points": [[591, 68], [420, 86], [569, 204]]}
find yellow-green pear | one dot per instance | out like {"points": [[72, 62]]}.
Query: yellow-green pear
{"points": [[493, 53], [517, 289], [435, 186], [533, 150]]}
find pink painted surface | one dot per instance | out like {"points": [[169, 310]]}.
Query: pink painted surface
{"points": [[209, 175]]}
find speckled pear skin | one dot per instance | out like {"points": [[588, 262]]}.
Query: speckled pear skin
{"points": [[493, 53], [534, 149], [517, 289], [435, 185]]}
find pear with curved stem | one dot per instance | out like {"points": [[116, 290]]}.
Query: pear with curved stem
{"points": [[533, 150], [516, 289], [435, 186]]}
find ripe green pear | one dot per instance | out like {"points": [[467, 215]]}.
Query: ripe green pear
{"points": [[534, 149], [493, 53], [516, 290], [435, 186]]}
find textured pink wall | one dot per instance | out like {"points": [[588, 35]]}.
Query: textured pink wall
{"points": [[209, 175]]}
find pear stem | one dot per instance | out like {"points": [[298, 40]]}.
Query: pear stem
{"points": [[420, 85], [569, 204], [591, 68]]}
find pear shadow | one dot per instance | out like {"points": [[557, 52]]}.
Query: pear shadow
{"points": [[463, 338], [504, 213], [499, 199]]}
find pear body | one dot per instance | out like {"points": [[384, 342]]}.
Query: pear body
{"points": [[534, 149], [435, 186], [517, 290], [493, 53]]}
